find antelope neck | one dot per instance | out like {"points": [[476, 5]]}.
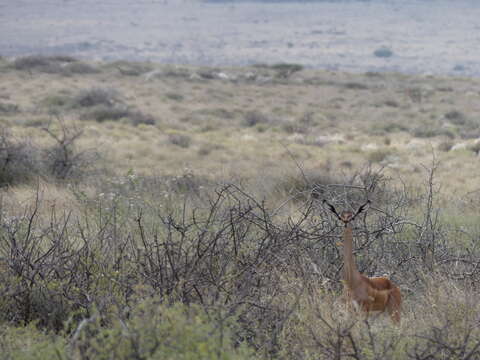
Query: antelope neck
{"points": [[350, 268]]}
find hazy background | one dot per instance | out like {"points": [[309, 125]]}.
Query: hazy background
{"points": [[438, 37]]}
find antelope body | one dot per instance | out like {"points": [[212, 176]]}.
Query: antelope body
{"points": [[369, 294]]}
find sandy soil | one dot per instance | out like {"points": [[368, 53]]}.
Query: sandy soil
{"points": [[438, 37]]}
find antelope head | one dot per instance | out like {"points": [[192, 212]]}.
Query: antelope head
{"points": [[347, 216]]}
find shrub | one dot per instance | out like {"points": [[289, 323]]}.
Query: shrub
{"points": [[415, 94], [80, 68], [208, 74], [36, 122], [19, 160], [101, 113], [63, 160], [378, 156], [100, 105], [475, 147], [456, 117], [32, 62], [352, 85], [8, 109], [4, 65], [374, 74], [180, 140], [218, 113], [445, 146], [95, 97], [383, 52], [387, 127], [311, 119], [153, 330], [303, 186], [62, 58], [284, 70], [49, 64], [160, 331], [128, 68], [174, 96], [392, 103], [137, 117], [470, 132], [431, 130], [293, 127], [28, 343], [253, 118], [56, 101], [177, 71], [164, 268], [303, 125]]}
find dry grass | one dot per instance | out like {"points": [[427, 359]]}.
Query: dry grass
{"points": [[16, 199], [302, 111]]}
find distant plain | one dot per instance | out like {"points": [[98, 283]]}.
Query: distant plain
{"points": [[426, 37]]}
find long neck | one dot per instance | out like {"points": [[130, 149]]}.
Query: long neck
{"points": [[350, 269]]}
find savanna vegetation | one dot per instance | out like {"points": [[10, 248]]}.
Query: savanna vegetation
{"points": [[170, 212]]}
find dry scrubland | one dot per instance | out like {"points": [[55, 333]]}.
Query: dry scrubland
{"points": [[171, 212]]}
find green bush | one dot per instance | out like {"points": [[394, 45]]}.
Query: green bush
{"points": [[159, 331], [153, 330], [28, 343]]}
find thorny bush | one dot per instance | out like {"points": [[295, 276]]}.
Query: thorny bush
{"points": [[223, 248]]}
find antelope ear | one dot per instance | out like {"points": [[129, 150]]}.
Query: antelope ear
{"points": [[363, 208], [331, 208]]}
